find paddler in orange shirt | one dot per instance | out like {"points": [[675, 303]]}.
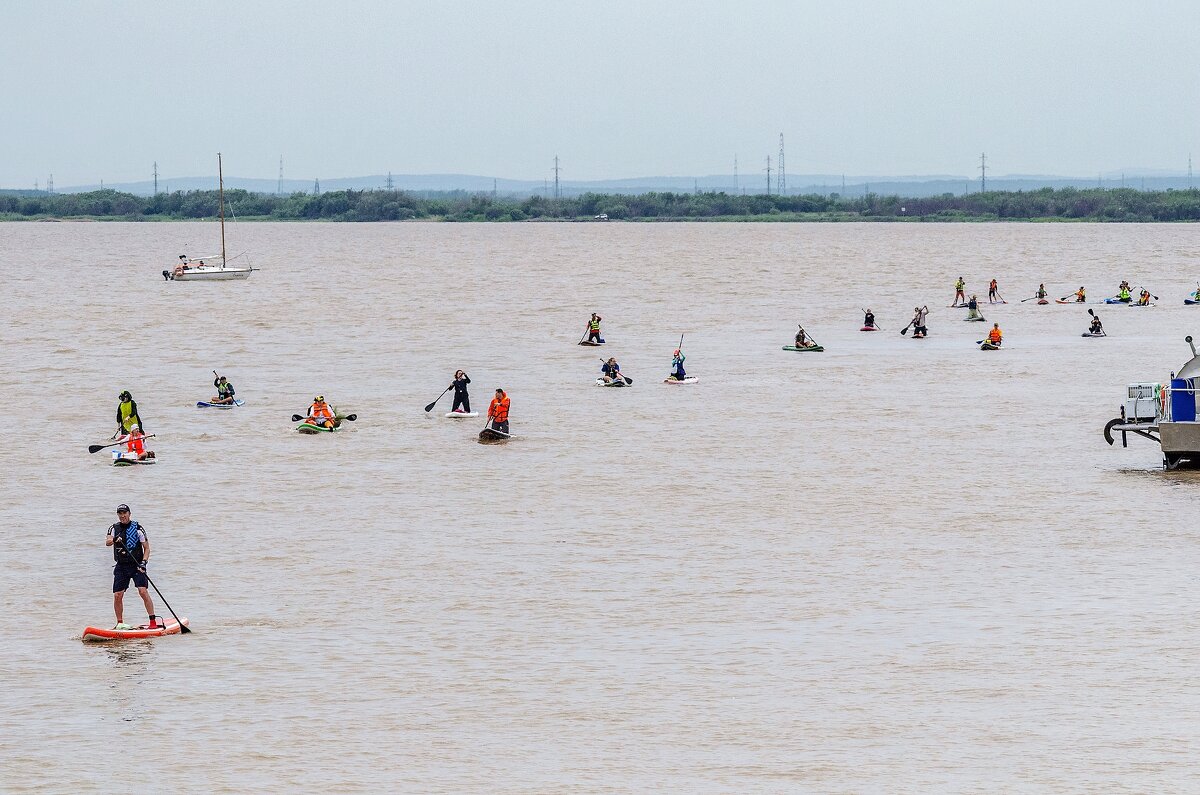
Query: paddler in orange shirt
{"points": [[320, 414], [498, 411]]}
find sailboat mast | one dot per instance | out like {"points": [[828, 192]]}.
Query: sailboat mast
{"points": [[221, 188]]}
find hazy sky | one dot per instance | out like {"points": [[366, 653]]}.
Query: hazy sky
{"points": [[98, 90]]}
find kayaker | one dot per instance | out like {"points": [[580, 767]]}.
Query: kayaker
{"points": [[127, 414], [225, 391], [869, 319], [498, 411], [677, 360], [611, 371], [593, 328], [462, 401], [995, 336], [1081, 296], [1096, 327], [802, 340], [993, 292], [918, 321], [1144, 298], [131, 552], [1041, 292], [960, 297], [320, 413]]}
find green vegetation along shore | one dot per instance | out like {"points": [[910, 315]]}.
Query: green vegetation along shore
{"points": [[1067, 204]]}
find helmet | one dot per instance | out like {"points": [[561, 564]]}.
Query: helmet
{"points": [[125, 396], [319, 399]]}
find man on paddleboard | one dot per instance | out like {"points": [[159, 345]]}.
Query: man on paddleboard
{"points": [[225, 391], [593, 328], [994, 293], [677, 360], [960, 288], [918, 321], [131, 552], [995, 336], [498, 411], [610, 371], [320, 413]]}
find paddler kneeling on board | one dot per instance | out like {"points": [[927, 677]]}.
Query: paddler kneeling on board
{"points": [[802, 340], [593, 329], [1081, 296], [498, 411], [677, 371], [1144, 298], [1096, 327], [995, 336], [973, 309], [1123, 294], [611, 371], [225, 391], [868, 319], [135, 447], [320, 414], [131, 551]]}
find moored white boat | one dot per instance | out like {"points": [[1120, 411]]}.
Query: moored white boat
{"points": [[209, 269]]}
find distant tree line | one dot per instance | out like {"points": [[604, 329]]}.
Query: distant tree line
{"points": [[1095, 204]]}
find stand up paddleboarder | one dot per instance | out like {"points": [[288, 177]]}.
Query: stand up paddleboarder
{"points": [[131, 552]]}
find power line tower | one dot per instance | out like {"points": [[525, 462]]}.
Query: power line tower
{"points": [[768, 170], [983, 172], [781, 172], [1189, 172], [50, 184], [557, 193], [279, 182], [317, 186], [390, 185], [493, 189], [736, 186], [155, 177]]}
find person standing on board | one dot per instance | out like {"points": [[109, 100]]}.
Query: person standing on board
{"points": [[593, 329], [127, 414], [225, 390], [994, 293], [462, 401], [498, 411], [918, 321], [868, 319], [1041, 293], [960, 288], [131, 552]]}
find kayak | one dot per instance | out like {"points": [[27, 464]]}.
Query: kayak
{"points": [[618, 382], [691, 379], [461, 414], [493, 435], [1042, 302], [203, 404], [592, 344], [809, 349], [1118, 301], [308, 427], [1090, 334], [869, 328], [987, 346], [125, 459], [100, 634]]}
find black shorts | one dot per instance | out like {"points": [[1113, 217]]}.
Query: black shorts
{"points": [[123, 573]]}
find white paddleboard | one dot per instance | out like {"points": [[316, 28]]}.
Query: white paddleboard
{"points": [[691, 379], [461, 414]]}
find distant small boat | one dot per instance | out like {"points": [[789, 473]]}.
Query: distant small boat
{"points": [[198, 269]]}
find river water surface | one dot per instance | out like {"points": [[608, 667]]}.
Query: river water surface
{"points": [[897, 565]]}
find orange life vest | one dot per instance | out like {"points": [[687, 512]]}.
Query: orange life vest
{"points": [[994, 336], [320, 410], [498, 411]]}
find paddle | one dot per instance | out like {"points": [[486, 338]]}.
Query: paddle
{"points": [[904, 331], [348, 417], [1152, 295], [876, 325], [95, 448], [628, 380], [439, 397], [581, 339], [182, 627]]}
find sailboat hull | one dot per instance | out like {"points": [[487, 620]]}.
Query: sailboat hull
{"points": [[211, 274]]}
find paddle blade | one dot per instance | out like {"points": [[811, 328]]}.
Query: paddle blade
{"points": [[95, 448], [430, 406], [350, 417], [628, 380], [184, 630], [296, 418]]}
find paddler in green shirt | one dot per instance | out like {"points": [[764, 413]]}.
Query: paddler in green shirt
{"points": [[127, 414]]}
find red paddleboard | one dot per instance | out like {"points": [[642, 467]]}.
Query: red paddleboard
{"points": [[94, 634], [869, 328]]}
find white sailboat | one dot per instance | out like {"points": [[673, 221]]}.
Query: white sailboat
{"points": [[214, 268]]}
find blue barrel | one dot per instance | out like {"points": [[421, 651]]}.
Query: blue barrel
{"points": [[1183, 400]]}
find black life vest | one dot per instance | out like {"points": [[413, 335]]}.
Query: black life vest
{"points": [[121, 553]]}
